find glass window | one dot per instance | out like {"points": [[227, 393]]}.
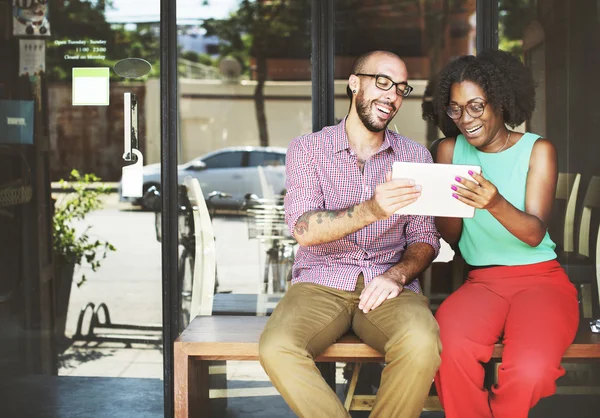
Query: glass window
{"points": [[260, 158], [558, 40], [555, 40], [245, 81], [425, 34], [231, 159]]}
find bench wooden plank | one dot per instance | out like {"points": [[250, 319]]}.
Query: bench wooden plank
{"points": [[585, 346], [236, 338]]}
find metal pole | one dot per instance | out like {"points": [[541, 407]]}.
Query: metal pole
{"points": [[486, 33], [323, 57], [169, 210]]}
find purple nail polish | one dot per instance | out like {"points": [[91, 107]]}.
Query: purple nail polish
{"points": [[457, 179], [470, 172], [453, 187], [454, 195]]}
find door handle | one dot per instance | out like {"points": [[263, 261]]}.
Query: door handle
{"points": [[130, 126], [132, 177]]}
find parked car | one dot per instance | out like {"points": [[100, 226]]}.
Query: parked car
{"points": [[233, 170]]}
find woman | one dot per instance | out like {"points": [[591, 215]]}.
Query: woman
{"points": [[516, 291]]}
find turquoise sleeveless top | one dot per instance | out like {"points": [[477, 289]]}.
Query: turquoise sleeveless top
{"points": [[485, 241]]}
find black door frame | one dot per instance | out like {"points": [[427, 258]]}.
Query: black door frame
{"points": [[168, 158], [323, 54]]}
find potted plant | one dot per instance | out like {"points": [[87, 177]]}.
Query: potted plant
{"points": [[82, 195]]}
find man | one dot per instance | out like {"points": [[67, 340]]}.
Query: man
{"points": [[357, 261]]}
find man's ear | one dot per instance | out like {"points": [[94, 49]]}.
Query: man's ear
{"points": [[354, 83]]}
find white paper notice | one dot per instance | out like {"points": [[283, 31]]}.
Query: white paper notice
{"points": [[132, 178], [91, 86], [32, 56]]}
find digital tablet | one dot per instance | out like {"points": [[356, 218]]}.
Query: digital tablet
{"points": [[436, 195]]}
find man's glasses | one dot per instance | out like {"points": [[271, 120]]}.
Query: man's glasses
{"points": [[28, 4], [474, 109], [385, 83]]}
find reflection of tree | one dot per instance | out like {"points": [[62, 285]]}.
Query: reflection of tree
{"points": [[436, 17], [514, 17], [257, 29], [78, 20], [427, 32]]}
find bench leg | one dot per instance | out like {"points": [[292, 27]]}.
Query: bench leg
{"points": [[328, 372], [191, 385], [352, 386]]}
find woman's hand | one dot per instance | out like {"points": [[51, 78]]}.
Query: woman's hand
{"points": [[481, 193]]}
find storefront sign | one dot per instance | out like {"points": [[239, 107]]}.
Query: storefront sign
{"points": [[16, 122], [82, 49]]}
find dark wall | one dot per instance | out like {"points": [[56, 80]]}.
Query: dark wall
{"points": [[572, 42]]}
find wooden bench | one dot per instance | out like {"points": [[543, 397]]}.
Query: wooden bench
{"points": [[210, 338]]}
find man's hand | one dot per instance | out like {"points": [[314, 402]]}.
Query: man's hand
{"points": [[377, 291], [392, 195]]}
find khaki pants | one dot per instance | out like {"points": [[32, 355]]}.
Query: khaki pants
{"points": [[311, 317]]}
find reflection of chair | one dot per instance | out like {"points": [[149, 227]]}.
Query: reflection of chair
{"points": [[204, 262], [562, 224], [580, 265], [267, 224]]}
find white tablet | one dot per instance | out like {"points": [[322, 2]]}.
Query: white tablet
{"points": [[436, 195]]}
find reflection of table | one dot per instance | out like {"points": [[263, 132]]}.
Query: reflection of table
{"points": [[445, 255], [245, 304]]}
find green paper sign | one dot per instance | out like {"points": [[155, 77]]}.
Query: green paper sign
{"points": [[91, 86]]}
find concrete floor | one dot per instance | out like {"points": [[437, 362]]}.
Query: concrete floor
{"points": [[102, 397]]}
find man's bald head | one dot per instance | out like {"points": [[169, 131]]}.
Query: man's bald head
{"points": [[361, 63]]}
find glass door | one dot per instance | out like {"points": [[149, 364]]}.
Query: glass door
{"points": [[103, 68], [81, 300]]}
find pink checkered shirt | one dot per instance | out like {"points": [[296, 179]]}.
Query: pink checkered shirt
{"points": [[322, 173]]}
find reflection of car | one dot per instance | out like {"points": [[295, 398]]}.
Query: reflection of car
{"points": [[235, 170]]}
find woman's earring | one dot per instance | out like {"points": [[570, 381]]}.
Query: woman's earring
{"points": [[354, 91]]}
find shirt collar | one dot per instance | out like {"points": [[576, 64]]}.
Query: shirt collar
{"points": [[340, 139]]}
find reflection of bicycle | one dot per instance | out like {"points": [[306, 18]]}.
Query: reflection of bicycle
{"points": [[187, 242], [266, 223]]}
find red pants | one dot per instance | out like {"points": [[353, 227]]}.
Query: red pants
{"points": [[534, 310]]}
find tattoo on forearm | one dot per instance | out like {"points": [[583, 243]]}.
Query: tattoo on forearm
{"points": [[303, 220], [302, 224]]}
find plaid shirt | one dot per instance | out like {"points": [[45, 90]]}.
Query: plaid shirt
{"points": [[322, 174]]}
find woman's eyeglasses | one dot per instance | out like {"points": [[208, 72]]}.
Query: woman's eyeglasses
{"points": [[474, 109]]}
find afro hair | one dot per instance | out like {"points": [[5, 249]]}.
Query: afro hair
{"points": [[506, 82]]}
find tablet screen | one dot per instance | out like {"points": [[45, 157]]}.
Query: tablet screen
{"points": [[436, 195]]}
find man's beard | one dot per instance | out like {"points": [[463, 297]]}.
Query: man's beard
{"points": [[363, 109]]}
